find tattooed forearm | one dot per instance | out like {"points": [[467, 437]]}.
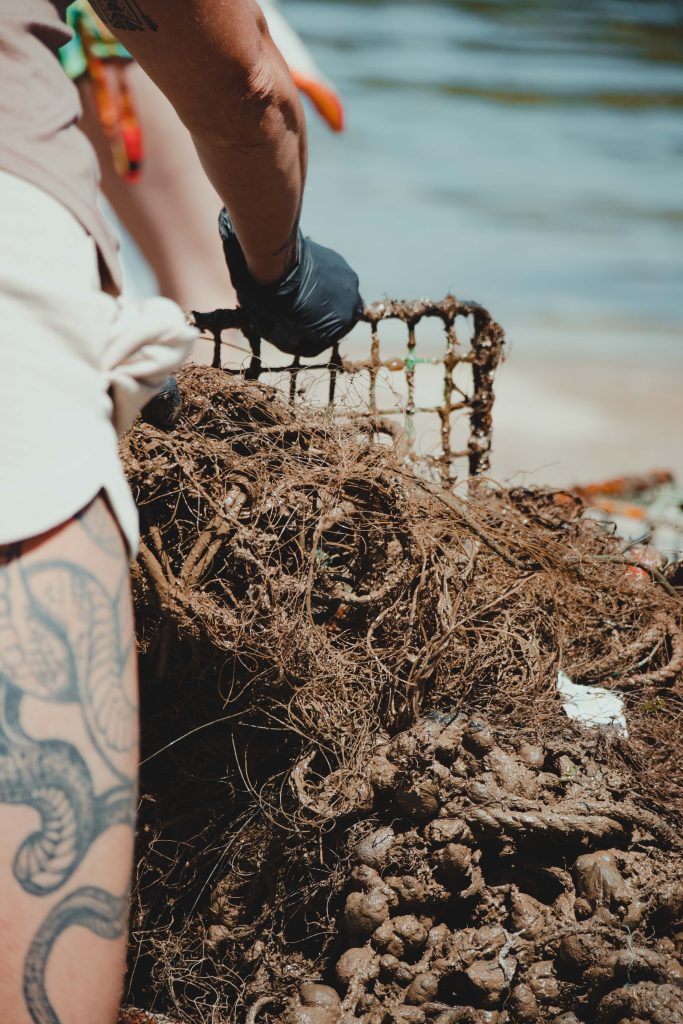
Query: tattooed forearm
{"points": [[97, 523], [52, 778], [124, 15], [89, 907], [61, 639], [66, 639]]}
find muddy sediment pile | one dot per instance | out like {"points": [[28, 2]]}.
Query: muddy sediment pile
{"points": [[360, 797], [501, 882]]}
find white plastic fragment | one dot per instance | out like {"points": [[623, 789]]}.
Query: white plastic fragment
{"points": [[592, 705]]}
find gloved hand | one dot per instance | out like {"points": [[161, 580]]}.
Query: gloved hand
{"points": [[311, 308]]}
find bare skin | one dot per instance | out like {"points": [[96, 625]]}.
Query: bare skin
{"points": [[221, 71], [68, 763]]}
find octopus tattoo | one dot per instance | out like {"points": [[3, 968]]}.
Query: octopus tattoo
{"points": [[62, 640]]}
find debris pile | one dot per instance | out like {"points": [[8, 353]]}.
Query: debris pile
{"points": [[361, 799], [500, 882], [647, 511]]}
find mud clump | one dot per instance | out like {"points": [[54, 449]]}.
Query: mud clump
{"points": [[360, 800], [562, 905], [530, 916]]}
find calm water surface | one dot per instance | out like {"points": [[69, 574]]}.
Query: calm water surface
{"points": [[525, 154]]}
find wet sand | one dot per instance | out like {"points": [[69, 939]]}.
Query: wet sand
{"points": [[565, 421]]}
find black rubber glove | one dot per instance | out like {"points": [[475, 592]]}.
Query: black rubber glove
{"points": [[164, 409], [315, 305]]}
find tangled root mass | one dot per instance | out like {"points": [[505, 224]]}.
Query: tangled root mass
{"points": [[360, 800]]}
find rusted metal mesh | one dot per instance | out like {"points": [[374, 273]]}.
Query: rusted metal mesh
{"points": [[393, 411]]}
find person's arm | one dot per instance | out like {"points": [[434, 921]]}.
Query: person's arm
{"points": [[216, 62]]}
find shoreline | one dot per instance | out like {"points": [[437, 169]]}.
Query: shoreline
{"points": [[561, 421], [557, 421]]}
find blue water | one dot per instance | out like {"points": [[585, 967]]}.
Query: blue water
{"points": [[524, 154]]}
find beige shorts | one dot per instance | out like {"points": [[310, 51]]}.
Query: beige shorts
{"points": [[76, 366]]}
